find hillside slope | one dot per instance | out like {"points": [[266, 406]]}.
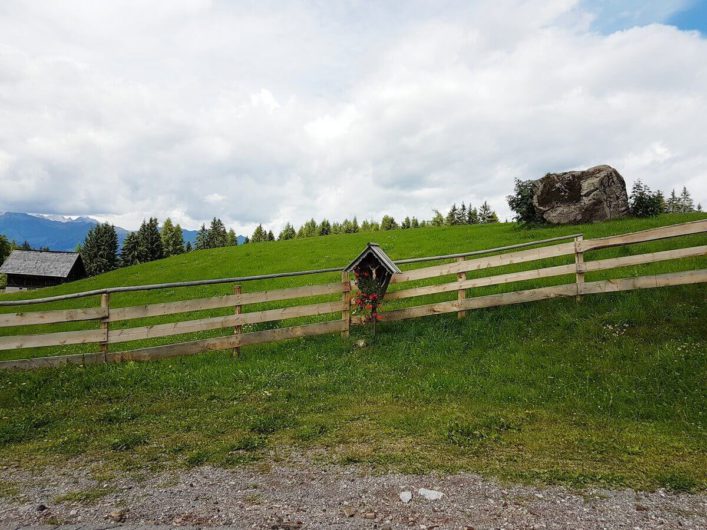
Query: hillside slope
{"points": [[608, 391]]}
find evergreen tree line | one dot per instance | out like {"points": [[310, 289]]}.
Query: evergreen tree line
{"points": [[99, 250], [456, 216], [645, 202]]}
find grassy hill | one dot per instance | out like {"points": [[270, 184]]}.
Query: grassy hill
{"points": [[608, 391]]}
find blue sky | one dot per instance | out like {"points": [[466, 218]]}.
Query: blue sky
{"points": [[614, 15], [693, 17]]}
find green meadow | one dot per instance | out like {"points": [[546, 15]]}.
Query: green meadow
{"points": [[609, 391]]}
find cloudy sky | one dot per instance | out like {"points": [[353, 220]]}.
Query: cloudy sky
{"points": [[266, 112]]}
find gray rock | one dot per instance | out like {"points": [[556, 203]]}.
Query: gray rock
{"points": [[430, 495], [595, 194]]}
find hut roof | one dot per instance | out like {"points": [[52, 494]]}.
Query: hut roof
{"points": [[40, 263], [382, 257]]}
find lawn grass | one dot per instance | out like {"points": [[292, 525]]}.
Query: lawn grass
{"points": [[609, 391]]}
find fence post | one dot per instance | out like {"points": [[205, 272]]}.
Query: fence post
{"points": [[579, 263], [105, 304], [346, 303], [237, 329], [461, 294]]}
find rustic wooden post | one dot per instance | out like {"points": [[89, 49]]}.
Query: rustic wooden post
{"points": [[237, 329], [346, 304], [579, 263], [461, 294], [105, 304]]}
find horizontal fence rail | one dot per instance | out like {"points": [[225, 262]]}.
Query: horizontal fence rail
{"points": [[340, 308]]}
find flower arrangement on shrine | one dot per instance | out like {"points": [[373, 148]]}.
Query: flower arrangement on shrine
{"points": [[369, 296]]}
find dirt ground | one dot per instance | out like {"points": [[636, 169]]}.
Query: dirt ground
{"points": [[308, 496]]}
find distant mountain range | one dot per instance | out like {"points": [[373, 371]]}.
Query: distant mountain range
{"points": [[58, 232]]}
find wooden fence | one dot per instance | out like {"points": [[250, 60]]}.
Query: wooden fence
{"points": [[104, 335]]}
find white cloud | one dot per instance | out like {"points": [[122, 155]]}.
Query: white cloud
{"points": [[265, 113]]}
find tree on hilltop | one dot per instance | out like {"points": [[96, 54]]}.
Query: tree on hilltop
{"points": [[99, 250], [172, 238]]}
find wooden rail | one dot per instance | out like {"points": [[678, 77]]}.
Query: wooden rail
{"points": [[239, 320]]}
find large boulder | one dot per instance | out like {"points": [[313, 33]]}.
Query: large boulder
{"points": [[595, 194]]}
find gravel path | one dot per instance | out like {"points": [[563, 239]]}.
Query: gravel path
{"points": [[306, 496]]}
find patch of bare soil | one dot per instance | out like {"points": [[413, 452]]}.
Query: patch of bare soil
{"points": [[313, 496]]}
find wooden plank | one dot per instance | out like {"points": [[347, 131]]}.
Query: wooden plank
{"points": [[52, 362], [273, 335], [509, 258], [52, 317], [105, 304], [172, 328], [533, 274], [653, 234], [478, 302], [461, 293], [346, 303], [647, 282], [639, 259], [238, 329], [200, 304], [579, 264], [204, 324], [51, 339], [282, 313], [178, 349]]}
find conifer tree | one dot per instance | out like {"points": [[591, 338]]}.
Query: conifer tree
{"points": [[271, 236], [217, 235], [308, 229], [461, 215], [172, 238], [187, 247], [438, 219], [388, 223], [406, 224], [202, 238], [472, 216], [232, 239], [150, 241], [324, 228], [414, 223], [259, 235], [486, 214], [452, 216], [100, 249], [288, 232], [130, 253], [354, 225], [686, 204], [673, 203]]}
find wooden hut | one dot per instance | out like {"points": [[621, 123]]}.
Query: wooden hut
{"points": [[32, 269]]}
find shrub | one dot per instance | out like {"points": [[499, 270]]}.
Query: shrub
{"points": [[644, 202], [521, 202]]}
